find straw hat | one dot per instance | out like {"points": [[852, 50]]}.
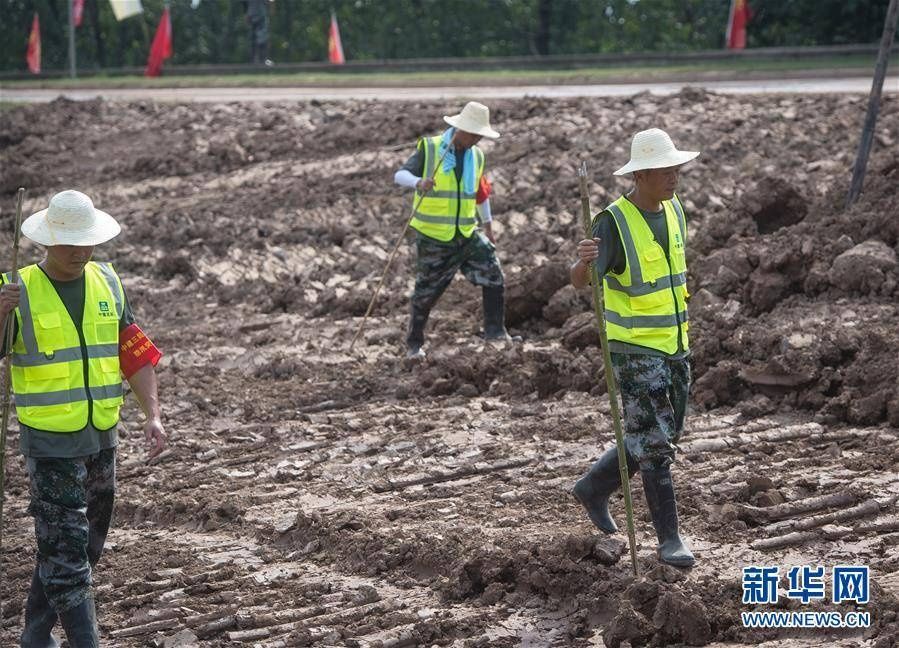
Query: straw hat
{"points": [[474, 118], [71, 219], [653, 149]]}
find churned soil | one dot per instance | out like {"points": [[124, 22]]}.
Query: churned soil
{"points": [[314, 495]]}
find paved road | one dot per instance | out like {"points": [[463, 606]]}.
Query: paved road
{"points": [[845, 85]]}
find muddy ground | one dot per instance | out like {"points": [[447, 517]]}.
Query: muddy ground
{"points": [[315, 497]]}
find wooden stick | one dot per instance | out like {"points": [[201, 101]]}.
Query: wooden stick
{"points": [[8, 338], [612, 387], [399, 242]]}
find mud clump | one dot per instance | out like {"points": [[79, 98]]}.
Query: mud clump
{"points": [[866, 268], [526, 296], [659, 609]]}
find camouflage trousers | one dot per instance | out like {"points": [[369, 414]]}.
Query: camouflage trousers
{"points": [[436, 266], [71, 501], [654, 393]]}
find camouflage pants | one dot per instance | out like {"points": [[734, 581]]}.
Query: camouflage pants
{"points": [[436, 266], [71, 501], [654, 394]]}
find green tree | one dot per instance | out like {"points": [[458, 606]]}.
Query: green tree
{"points": [[217, 32]]}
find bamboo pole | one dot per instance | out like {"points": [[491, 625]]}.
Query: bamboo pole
{"points": [[587, 221], [8, 338], [398, 243]]}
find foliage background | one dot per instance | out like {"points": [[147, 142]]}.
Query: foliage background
{"points": [[217, 32]]}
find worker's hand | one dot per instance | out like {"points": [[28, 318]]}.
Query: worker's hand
{"points": [[488, 232], [424, 185], [588, 250], [9, 298], [156, 437]]}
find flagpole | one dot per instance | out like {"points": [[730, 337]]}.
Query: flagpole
{"points": [[71, 39]]}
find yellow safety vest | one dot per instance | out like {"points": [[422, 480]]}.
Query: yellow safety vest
{"points": [[447, 205], [63, 380], [647, 303]]}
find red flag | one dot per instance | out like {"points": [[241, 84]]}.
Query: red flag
{"points": [[736, 24], [77, 11], [161, 48], [335, 48], [33, 53]]}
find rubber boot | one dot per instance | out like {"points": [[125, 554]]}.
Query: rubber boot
{"points": [[494, 313], [594, 489], [662, 505], [40, 617], [415, 337], [80, 623]]}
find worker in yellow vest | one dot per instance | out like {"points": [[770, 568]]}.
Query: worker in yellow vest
{"points": [[450, 207], [638, 248], [74, 336]]}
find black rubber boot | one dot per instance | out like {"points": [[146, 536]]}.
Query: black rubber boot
{"points": [[495, 313], [415, 337], [662, 505], [80, 623], [594, 489], [40, 617]]}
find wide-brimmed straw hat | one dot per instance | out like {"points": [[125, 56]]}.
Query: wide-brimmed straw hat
{"points": [[653, 149], [71, 219], [474, 118]]}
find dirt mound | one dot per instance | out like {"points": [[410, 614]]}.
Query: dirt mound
{"points": [[657, 610]]}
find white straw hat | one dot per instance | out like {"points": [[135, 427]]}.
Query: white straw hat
{"points": [[474, 118], [653, 149], [71, 219]]}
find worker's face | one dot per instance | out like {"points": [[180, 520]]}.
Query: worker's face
{"points": [[68, 261], [466, 140], [659, 184]]}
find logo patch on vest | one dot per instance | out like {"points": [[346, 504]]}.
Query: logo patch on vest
{"points": [[678, 243], [104, 309]]}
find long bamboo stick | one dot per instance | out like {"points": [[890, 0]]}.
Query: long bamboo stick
{"points": [[612, 387], [8, 338]]}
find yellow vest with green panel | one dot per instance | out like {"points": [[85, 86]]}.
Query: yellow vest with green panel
{"points": [[63, 378], [447, 206], [647, 303]]}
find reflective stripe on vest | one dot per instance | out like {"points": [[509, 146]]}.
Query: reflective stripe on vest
{"points": [[50, 360], [646, 304], [447, 204]]}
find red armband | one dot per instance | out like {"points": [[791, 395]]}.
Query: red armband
{"points": [[136, 350], [484, 189]]}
